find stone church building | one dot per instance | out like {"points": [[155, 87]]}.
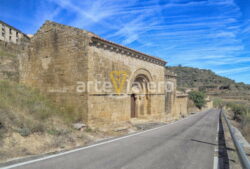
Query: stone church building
{"points": [[97, 80]]}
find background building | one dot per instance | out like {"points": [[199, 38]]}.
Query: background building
{"points": [[10, 34]]}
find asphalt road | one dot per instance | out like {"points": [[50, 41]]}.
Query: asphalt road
{"points": [[186, 144]]}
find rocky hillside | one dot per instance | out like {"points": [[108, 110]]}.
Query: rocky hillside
{"points": [[212, 84], [189, 77]]}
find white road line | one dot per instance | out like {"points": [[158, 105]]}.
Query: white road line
{"points": [[216, 163], [216, 150], [94, 145]]}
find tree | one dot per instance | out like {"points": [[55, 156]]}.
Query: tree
{"points": [[198, 98]]}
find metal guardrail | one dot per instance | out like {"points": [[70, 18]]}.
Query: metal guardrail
{"points": [[239, 148]]}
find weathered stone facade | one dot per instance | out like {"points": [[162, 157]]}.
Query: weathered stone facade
{"points": [[180, 105], [61, 59], [9, 60], [176, 103]]}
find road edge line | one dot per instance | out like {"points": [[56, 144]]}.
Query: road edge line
{"points": [[94, 145]]}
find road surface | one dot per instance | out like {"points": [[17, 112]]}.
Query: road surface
{"points": [[186, 144]]}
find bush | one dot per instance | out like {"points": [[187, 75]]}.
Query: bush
{"points": [[37, 128], [218, 103], [239, 110], [24, 132], [198, 98]]}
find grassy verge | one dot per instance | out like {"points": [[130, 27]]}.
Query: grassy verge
{"points": [[25, 110], [240, 114], [31, 124]]}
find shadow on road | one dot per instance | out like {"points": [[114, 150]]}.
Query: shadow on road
{"points": [[222, 149], [203, 142]]}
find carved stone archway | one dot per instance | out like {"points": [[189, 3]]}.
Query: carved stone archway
{"points": [[140, 96]]}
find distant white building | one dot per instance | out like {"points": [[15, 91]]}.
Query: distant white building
{"points": [[10, 34]]}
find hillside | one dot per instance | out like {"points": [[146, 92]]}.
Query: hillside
{"points": [[30, 124], [212, 84], [189, 77]]}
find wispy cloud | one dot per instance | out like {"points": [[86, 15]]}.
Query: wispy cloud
{"points": [[235, 70], [211, 34]]}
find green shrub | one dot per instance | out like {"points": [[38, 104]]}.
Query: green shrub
{"points": [[24, 132], [198, 98], [37, 128]]}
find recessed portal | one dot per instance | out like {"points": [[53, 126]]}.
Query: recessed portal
{"points": [[140, 99]]}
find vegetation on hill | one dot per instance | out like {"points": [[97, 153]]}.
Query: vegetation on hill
{"points": [[188, 77], [212, 84], [25, 110], [224, 91], [31, 124], [240, 114]]}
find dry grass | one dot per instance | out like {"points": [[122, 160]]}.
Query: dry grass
{"points": [[246, 127], [31, 124], [241, 115], [4, 53], [27, 110]]}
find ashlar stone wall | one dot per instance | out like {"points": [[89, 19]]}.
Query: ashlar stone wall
{"points": [[180, 109], [106, 106], [59, 58], [54, 62]]}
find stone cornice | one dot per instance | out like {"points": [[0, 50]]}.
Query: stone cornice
{"points": [[102, 43]]}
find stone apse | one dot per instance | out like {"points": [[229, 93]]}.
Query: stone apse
{"points": [[97, 80]]}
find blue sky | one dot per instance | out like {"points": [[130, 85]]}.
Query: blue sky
{"points": [[209, 34]]}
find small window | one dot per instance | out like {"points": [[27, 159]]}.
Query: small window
{"points": [[10, 37], [16, 34], [3, 34], [10, 31]]}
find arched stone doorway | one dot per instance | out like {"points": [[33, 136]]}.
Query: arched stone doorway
{"points": [[140, 97]]}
